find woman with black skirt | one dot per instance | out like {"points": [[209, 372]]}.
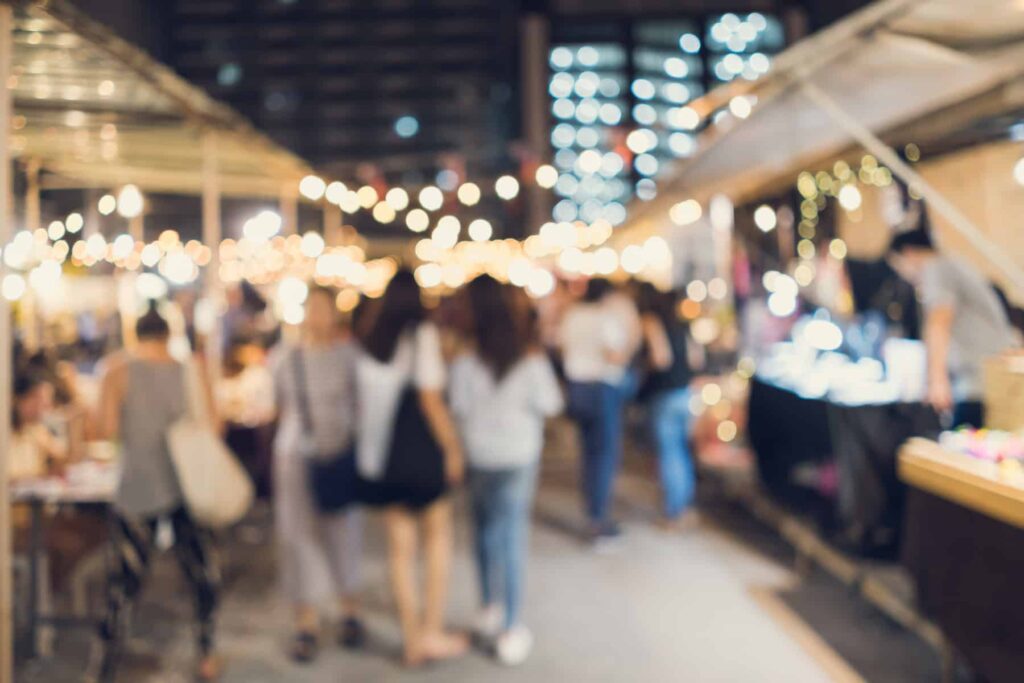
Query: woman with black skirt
{"points": [[409, 454]]}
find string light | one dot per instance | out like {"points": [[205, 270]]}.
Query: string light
{"points": [[312, 187]]}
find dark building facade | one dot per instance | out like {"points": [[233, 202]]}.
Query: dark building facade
{"points": [[395, 83]]}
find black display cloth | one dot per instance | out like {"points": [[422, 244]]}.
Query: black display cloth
{"points": [[866, 442], [786, 431], [864, 507], [968, 569]]}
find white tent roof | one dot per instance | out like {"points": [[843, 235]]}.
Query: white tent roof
{"points": [[892, 63]]}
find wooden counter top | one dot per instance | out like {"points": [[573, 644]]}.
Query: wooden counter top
{"points": [[972, 483]]}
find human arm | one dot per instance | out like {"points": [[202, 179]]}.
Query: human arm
{"points": [[443, 428], [429, 378], [659, 351], [940, 284], [460, 387], [206, 391], [546, 392], [112, 388], [937, 333]]}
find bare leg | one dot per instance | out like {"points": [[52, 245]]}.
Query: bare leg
{"points": [[437, 541], [401, 529], [307, 619]]}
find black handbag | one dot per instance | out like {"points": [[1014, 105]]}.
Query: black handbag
{"points": [[332, 478]]}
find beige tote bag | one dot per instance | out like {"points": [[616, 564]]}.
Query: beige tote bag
{"points": [[217, 489]]}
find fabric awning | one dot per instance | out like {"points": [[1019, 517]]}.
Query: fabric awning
{"points": [[893, 63], [95, 111]]}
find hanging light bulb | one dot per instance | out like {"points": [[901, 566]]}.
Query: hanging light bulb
{"points": [[130, 202]]}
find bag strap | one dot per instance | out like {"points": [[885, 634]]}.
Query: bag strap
{"points": [[302, 391], [195, 402]]}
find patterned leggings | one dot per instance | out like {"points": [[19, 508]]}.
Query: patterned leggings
{"points": [[134, 542]]}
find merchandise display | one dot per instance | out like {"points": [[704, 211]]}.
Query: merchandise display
{"points": [[812, 366]]}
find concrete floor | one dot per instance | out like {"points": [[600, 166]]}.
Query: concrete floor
{"points": [[665, 607]]}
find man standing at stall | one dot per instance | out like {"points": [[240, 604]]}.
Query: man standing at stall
{"points": [[965, 323]]}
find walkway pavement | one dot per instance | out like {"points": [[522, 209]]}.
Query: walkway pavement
{"points": [[680, 607]]}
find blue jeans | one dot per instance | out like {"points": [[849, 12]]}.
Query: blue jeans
{"points": [[597, 409], [501, 500], [670, 426]]}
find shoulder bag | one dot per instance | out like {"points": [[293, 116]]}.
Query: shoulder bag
{"points": [[217, 490], [415, 462], [332, 477]]}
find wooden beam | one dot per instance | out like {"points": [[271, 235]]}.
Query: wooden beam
{"points": [[6, 381]]}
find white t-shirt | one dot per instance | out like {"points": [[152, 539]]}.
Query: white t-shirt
{"points": [[379, 387], [628, 319], [502, 423], [589, 331]]}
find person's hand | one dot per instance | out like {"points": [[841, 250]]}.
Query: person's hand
{"points": [[454, 466], [940, 394]]}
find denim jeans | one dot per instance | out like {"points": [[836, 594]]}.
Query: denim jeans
{"points": [[501, 501], [597, 409], [670, 426]]}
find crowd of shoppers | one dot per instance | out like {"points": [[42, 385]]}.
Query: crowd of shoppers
{"points": [[417, 403]]}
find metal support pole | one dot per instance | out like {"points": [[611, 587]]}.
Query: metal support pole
{"points": [[212, 238], [6, 231], [534, 68], [332, 222], [32, 195], [935, 199], [288, 205], [92, 213], [137, 228]]}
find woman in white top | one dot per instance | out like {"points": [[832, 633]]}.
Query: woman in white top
{"points": [[501, 393], [319, 554], [409, 453], [595, 350]]}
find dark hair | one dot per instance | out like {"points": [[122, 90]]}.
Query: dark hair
{"points": [[651, 300], [597, 289], [911, 239], [152, 325], [25, 382], [322, 290], [500, 332], [400, 310]]}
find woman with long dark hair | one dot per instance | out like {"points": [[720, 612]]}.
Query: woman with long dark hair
{"points": [[409, 454], [502, 391], [667, 391]]}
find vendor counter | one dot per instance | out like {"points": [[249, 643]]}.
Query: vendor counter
{"points": [[964, 546], [836, 461]]}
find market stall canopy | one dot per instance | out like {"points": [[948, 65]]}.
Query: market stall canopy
{"points": [[95, 111], [893, 63]]}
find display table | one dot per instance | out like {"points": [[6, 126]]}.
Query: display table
{"points": [[92, 487], [865, 501], [964, 546]]}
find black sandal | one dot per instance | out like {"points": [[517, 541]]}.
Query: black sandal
{"points": [[352, 634], [304, 647]]}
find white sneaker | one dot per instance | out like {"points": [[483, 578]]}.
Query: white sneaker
{"points": [[514, 646], [489, 622]]}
